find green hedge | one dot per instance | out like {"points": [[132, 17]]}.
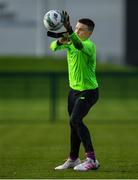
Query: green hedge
{"points": [[51, 64]]}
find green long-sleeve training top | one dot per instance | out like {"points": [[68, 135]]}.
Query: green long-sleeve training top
{"points": [[81, 58]]}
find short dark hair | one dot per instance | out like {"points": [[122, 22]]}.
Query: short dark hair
{"points": [[88, 22]]}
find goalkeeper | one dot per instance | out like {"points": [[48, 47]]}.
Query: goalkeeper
{"points": [[81, 58]]}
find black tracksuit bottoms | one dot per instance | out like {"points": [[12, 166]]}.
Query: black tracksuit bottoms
{"points": [[79, 104]]}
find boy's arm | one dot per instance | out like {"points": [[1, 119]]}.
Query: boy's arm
{"points": [[83, 46], [87, 48], [77, 42], [57, 45], [75, 39]]}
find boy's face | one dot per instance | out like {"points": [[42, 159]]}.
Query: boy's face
{"points": [[82, 31]]}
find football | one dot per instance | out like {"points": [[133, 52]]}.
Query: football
{"points": [[53, 20]]}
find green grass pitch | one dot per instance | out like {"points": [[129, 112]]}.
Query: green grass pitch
{"points": [[31, 148]]}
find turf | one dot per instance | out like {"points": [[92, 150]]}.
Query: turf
{"points": [[31, 148]]}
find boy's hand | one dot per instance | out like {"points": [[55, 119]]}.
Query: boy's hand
{"points": [[65, 39], [66, 21]]}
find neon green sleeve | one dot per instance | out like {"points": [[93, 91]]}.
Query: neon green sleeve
{"points": [[76, 41], [89, 48], [54, 46], [85, 47]]}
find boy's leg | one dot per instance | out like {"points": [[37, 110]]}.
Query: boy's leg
{"points": [[73, 160], [82, 106], [74, 138], [75, 142]]}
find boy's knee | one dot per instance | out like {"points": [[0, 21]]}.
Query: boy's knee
{"points": [[75, 121]]}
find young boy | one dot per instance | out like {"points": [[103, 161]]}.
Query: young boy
{"points": [[81, 57]]}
